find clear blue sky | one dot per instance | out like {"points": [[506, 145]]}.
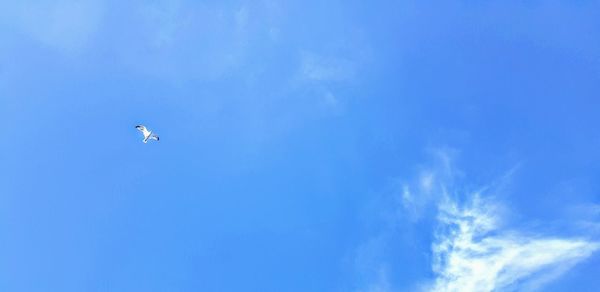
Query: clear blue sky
{"points": [[369, 146]]}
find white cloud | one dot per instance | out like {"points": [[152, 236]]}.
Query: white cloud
{"points": [[473, 249], [473, 253]]}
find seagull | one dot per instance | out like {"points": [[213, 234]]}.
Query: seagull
{"points": [[147, 134]]}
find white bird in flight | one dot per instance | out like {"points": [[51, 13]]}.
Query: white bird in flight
{"points": [[147, 134]]}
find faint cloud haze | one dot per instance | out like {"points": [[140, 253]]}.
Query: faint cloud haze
{"points": [[323, 73], [369, 265], [66, 26], [426, 188], [164, 19], [382, 283], [174, 45], [587, 217], [326, 68]]}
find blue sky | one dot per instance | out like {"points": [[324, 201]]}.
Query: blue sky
{"points": [[305, 146]]}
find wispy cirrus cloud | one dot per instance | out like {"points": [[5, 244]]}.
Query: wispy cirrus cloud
{"points": [[426, 189], [472, 251], [473, 248]]}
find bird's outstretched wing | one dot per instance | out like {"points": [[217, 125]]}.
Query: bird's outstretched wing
{"points": [[144, 131], [155, 137]]}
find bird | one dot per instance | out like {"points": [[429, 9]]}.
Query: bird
{"points": [[147, 134]]}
